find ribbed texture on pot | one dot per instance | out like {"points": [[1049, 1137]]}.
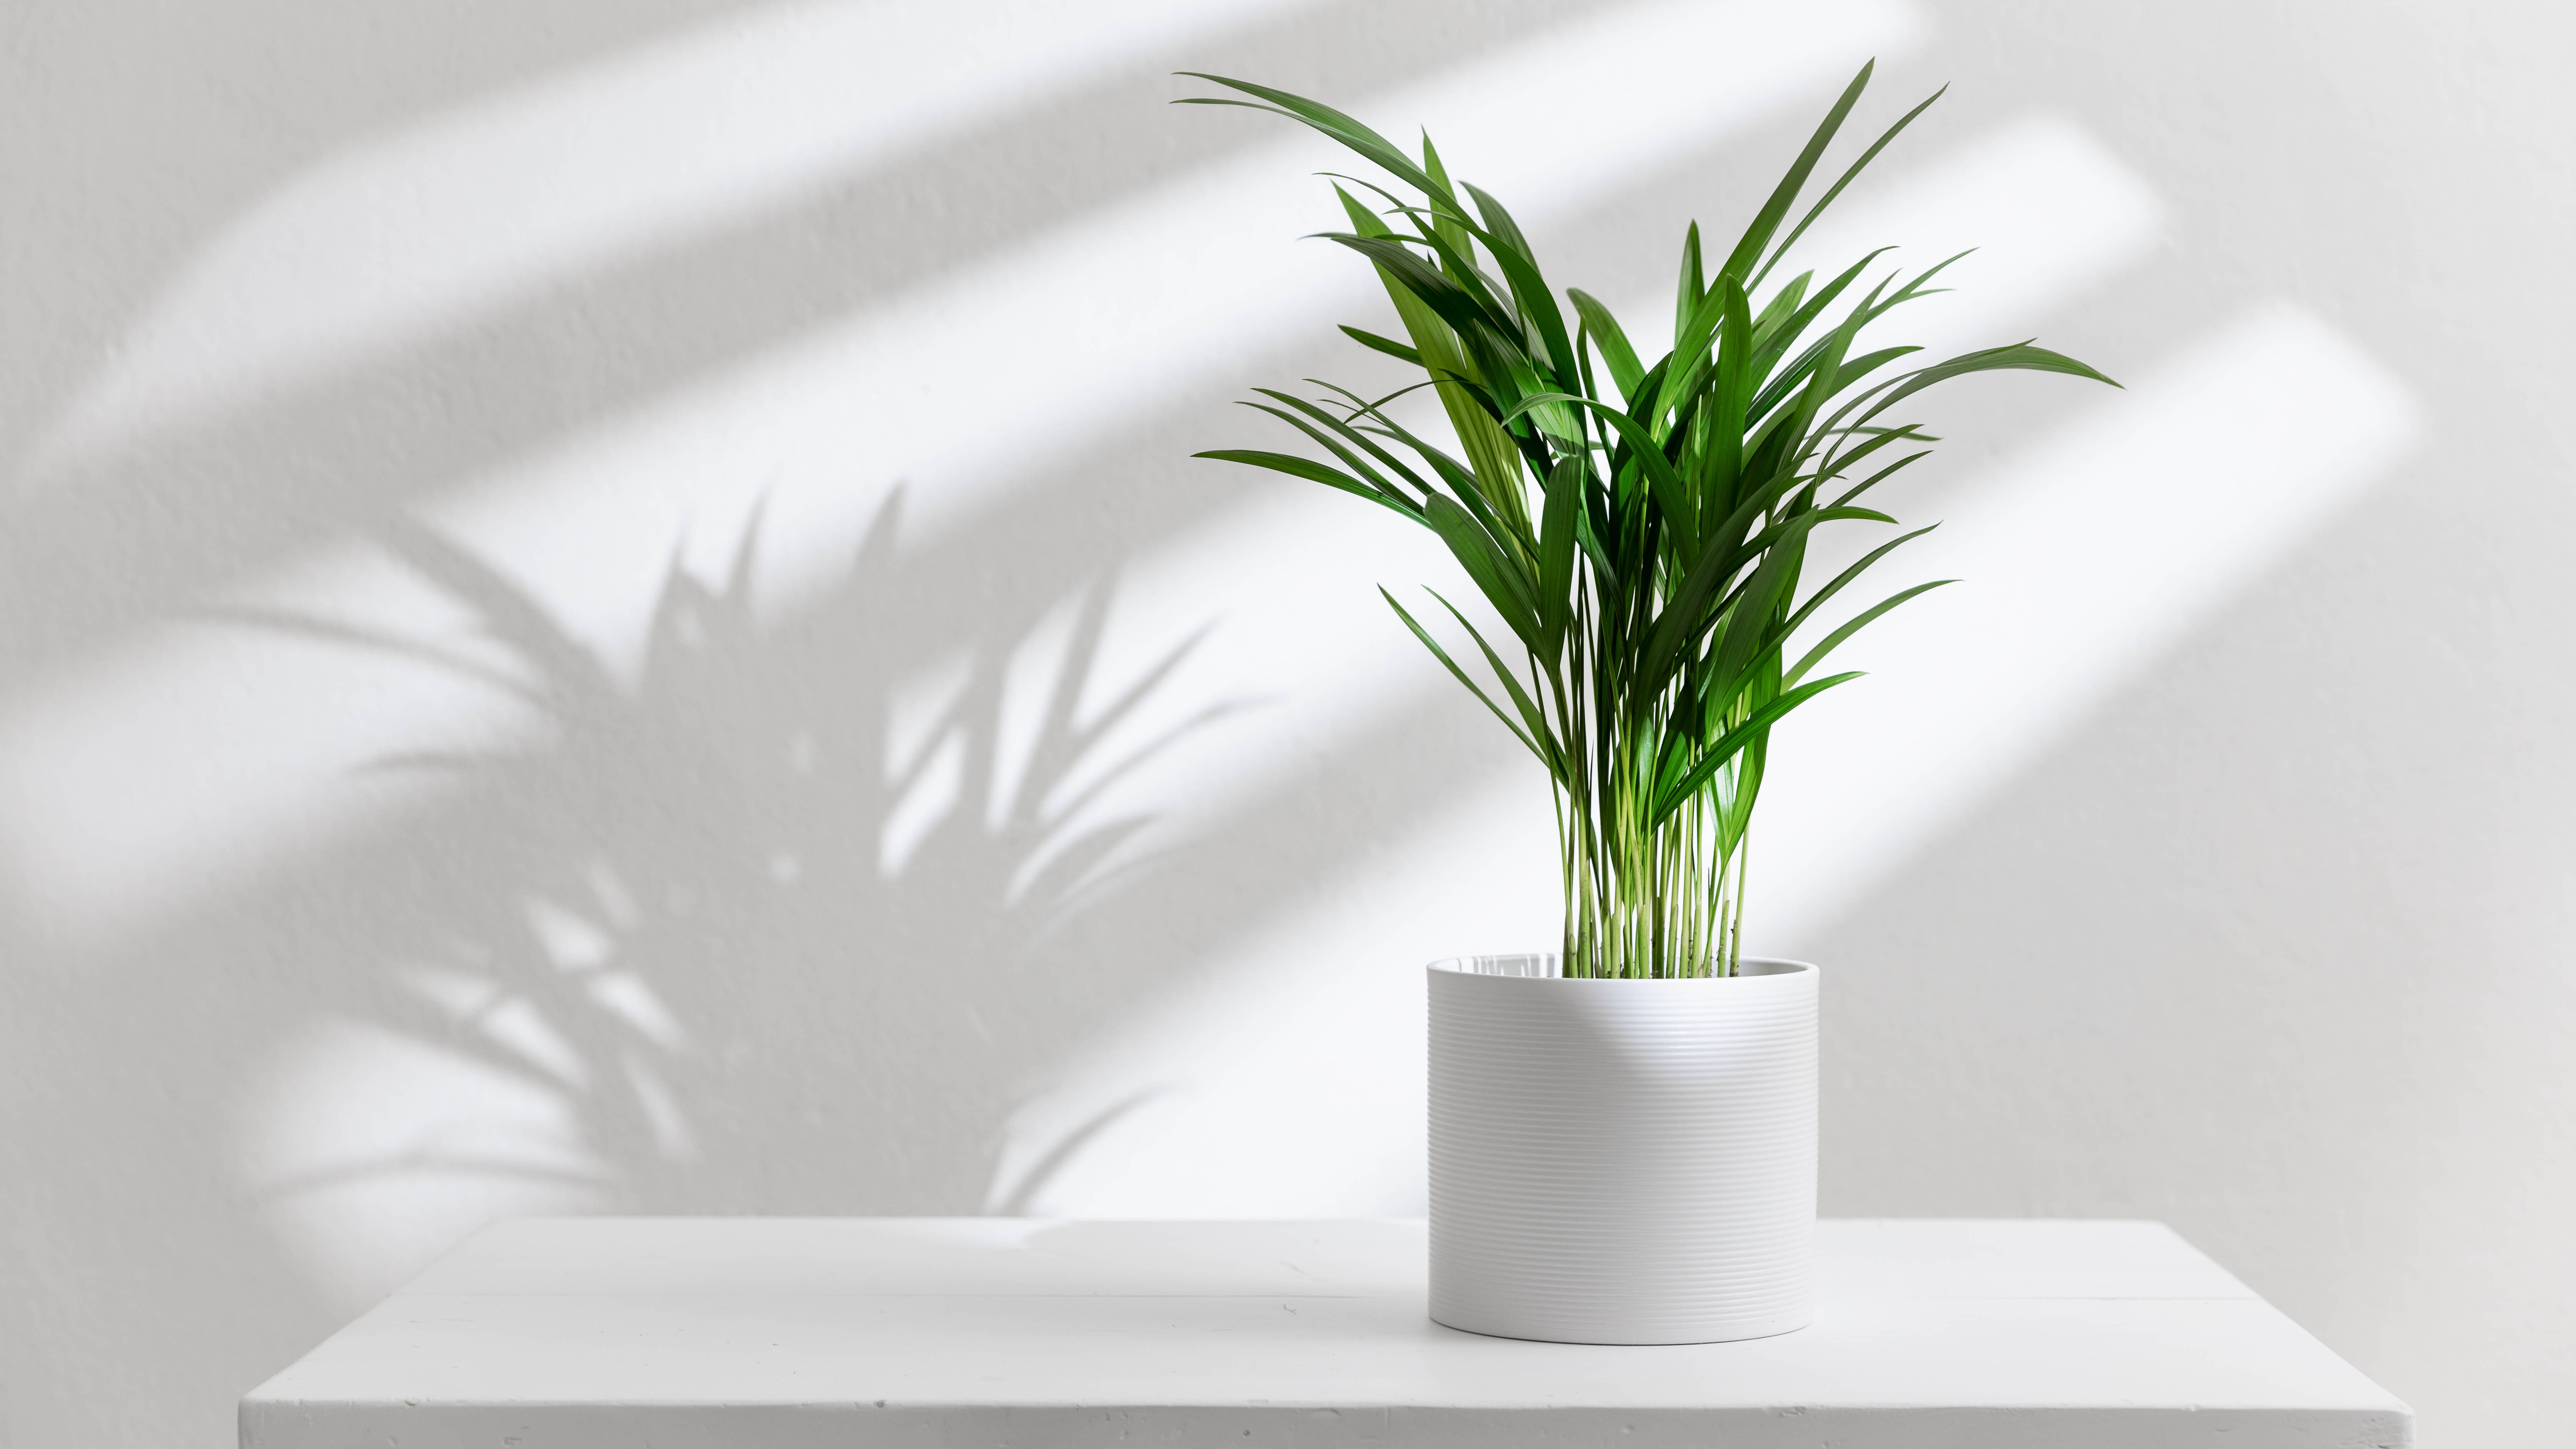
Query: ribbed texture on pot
{"points": [[1622, 1161]]}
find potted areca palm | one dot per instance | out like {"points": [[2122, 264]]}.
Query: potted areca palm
{"points": [[1623, 1131]]}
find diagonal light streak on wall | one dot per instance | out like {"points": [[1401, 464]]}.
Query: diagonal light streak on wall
{"points": [[481, 206], [233, 738], [2080, 563], [2044, 211]]}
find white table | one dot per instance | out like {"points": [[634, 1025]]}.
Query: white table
{"points": [[776, 1333]]}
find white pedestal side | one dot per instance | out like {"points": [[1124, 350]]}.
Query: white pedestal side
{"points": [[778, 1333]]}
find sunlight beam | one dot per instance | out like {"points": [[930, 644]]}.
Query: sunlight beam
{"points": [[2081, 562], [477, 209]]}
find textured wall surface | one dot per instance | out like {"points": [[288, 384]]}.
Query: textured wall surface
{"points": [[603, 608]]}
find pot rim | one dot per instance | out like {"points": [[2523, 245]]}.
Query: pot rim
{"points": [[1773, 968]]}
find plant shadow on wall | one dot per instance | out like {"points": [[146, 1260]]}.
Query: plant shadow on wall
{"points": [[747, 933]]}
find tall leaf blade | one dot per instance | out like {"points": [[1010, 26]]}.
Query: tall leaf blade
{"points": [[1849, 175], [1331, 122], [1613, 342], [1739, 263]]}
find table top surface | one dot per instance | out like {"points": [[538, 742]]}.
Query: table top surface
{"points": [[1021, 1314]]}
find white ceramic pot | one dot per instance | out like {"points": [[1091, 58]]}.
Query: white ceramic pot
{"points": [[1622, 1161]]}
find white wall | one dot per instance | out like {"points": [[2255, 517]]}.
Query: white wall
{"points": [[418, 804]]}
